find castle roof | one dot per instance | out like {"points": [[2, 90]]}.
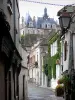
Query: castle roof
{"points": [[40, 20]]}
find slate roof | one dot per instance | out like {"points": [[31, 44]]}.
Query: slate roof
{"points": [[40, 20]]}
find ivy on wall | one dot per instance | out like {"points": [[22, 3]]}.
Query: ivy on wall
{"points": [[51, 61], [56, 56]]}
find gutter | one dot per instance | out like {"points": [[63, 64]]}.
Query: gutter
{"points": [[14, 15]]}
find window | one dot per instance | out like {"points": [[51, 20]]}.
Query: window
{"points": [[23, 87], [62, 68], [65, 50], [23, 32], [37, 57], [54, 26], [31, 24], [28, 24], [46, 26], [51, 26], [54, 48]]}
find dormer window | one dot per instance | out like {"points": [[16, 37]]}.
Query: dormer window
{"points": [[9, 6], [46, 26], [30, 24]]}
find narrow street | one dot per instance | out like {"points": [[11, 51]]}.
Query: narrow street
{"points": [[39, 93]]}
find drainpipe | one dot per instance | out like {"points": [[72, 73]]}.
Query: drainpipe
{"points": [[14, 17]]}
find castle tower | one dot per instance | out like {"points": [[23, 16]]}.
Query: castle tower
{"points": [[45, 13]]}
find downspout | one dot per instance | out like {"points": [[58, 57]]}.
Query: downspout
{"points": [[14, 15]]}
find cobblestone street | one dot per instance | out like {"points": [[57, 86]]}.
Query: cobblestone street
{"points": [[39, 93]]}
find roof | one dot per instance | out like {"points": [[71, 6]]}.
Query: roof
{"points": [[40, 20], [69, 9]]}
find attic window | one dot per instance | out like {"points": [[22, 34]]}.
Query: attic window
{"points": [[46, 26], [51, 26]]}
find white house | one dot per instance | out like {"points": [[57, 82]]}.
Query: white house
{"points": [[65, 40], [36, 55], [54, 49]]}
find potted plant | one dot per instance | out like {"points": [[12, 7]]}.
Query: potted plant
{"points": [[59, 90], [60, 81], [64, 80]]}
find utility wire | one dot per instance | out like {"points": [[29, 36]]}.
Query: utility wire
{"points": [[46, 3]]}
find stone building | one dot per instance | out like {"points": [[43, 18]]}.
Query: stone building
{"points": [[10, 59], [44, 26], [23, 76], [39, 25]]}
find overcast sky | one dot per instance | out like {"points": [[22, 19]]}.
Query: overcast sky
{"points": [[38, 9]]}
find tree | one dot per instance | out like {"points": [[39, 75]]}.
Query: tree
{"points": [[29, 39]]}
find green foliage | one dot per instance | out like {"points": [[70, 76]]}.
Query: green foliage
{"points": [[65, 80], [45, 69], [52, 60], [22, 39], [49, 68], [53, 64], [29, 39]]}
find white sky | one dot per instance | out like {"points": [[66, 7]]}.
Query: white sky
{"points": [[38, 9]]}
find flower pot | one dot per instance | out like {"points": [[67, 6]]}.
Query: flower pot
{"points": [[59, 91]]}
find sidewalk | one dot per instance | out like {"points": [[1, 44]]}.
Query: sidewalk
{"points": [[36, 92], [57, 98], [48, 88]]}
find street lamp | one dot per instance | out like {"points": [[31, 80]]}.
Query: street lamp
{"points": [[65, 21]]}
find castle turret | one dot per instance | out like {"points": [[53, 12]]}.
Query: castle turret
{"points": [[45, 13]]}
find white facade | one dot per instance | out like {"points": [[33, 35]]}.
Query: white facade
{"points": [[36, 74], [65, 49], [58, 67]]}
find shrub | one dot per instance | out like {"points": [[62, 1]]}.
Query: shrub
{"points": [[60, 81], [59, 91], [64, 80]]}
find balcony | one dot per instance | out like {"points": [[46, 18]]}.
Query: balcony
{"points": [[9, 6]]}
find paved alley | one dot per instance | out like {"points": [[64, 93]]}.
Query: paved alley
{"points": [[39, 93]]}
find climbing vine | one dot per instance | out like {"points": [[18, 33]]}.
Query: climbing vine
{"points": [[51, 61], [56, 56]]}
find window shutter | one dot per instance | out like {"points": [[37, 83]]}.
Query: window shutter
{"points": [[65, 50]]}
